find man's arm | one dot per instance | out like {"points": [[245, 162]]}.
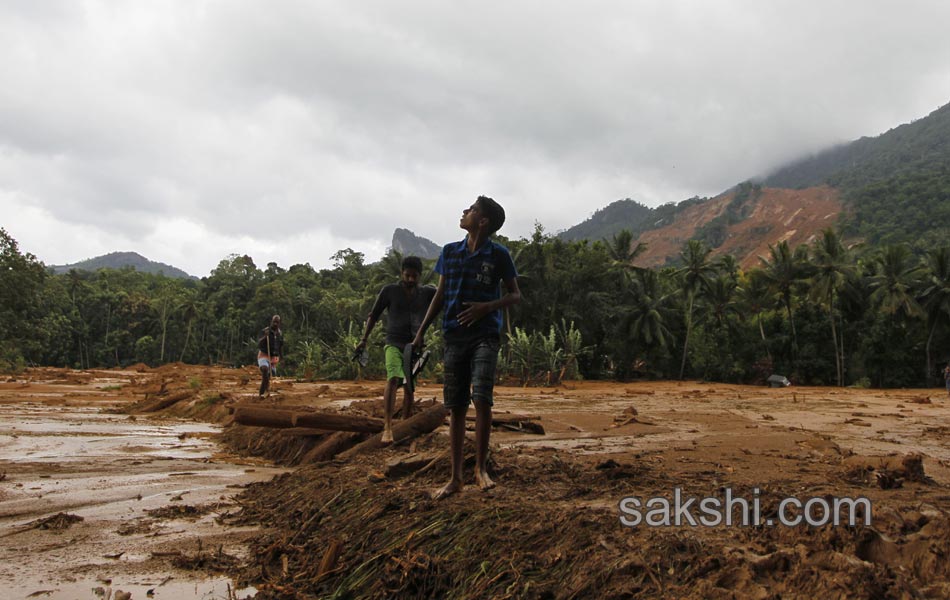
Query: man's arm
{"points": [[434, 307], [370, 323], [382, 302], [477, 310]]}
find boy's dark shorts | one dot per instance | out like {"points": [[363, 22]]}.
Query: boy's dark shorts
{"points": [[470, 371]]}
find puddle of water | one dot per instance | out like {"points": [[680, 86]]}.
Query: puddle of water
{"points": [[111, 471], [79, 435]]}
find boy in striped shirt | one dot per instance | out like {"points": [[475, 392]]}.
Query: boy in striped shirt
{"points": [[469, 274]]}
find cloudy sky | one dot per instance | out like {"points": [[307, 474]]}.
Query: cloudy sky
{"points": [[189, 130]]}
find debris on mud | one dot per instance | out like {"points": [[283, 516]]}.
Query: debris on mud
{"points": [[546, 534], [215, 561], [361, 524], [886, 472], [182, 511], [55, 522]]}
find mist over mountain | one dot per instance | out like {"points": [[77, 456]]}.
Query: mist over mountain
{"points": [[890, 188]]}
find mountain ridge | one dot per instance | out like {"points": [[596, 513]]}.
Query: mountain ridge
{"points": [[890, 188], [118, 260]]}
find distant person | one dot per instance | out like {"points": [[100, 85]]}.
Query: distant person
{"points": [[946, 378], [406, 303], [469, 274], [270, 349]]}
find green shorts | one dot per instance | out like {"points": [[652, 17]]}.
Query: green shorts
{"points": [[394, 362]]}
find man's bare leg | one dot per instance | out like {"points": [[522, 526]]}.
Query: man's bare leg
{"points": [[265, 382], [407, 403], [482, 435], [457, 441], [390, 398]]}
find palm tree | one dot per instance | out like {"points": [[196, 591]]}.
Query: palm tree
{"points": [[727, 264], [623, 252], [695, 272], [720, 296], [645, 322], [189, 307], [892, 283], [389, 268], [755, 295], [832, 269], [782, 271], [935, 297]]}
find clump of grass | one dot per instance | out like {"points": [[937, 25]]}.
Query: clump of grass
{"points": [[209, 400], [194, 383], [112, 388]]}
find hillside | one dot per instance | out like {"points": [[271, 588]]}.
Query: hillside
{"points": [[896, 186], [772, 216], [118, 260], [892, 188], [610, 220], [922, 145]]}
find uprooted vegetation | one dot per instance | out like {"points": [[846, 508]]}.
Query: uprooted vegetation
{"points": [[337, 532]]}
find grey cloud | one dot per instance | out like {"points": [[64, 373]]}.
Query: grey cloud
{"points": [[350, 115]]}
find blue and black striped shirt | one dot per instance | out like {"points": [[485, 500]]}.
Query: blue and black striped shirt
{"points": [[473, 278]]}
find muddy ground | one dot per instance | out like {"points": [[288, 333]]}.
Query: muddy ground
{"points": [[365, 526]]}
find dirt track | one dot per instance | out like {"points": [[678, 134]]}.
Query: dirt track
{"points": [[552, 528]]}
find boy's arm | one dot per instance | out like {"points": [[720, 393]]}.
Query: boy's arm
{"points": [[477, 310], [434, 307]]}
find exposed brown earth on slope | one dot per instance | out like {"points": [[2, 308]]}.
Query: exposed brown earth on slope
{"points": [[795, 216]]}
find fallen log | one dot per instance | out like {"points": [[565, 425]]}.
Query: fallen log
{"points": [[304, 432], [337, 422], [165, 401], [272, 417], [263, 417], [332, 445], [403, 465], [418, 424]]}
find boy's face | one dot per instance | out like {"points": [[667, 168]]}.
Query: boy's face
{"points": [[410, 277], [471, 218]]}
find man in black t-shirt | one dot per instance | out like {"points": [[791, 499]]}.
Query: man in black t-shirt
{"points": [[406, 303]]}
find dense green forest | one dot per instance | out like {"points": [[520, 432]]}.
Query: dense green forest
{"points": [[819, 314], [896, 186]]}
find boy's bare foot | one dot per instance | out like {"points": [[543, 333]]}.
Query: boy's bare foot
{"points": [[450, 488], [387, 437], [483, 480]]}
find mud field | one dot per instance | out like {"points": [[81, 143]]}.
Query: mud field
{"points": [[142, 481]]}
